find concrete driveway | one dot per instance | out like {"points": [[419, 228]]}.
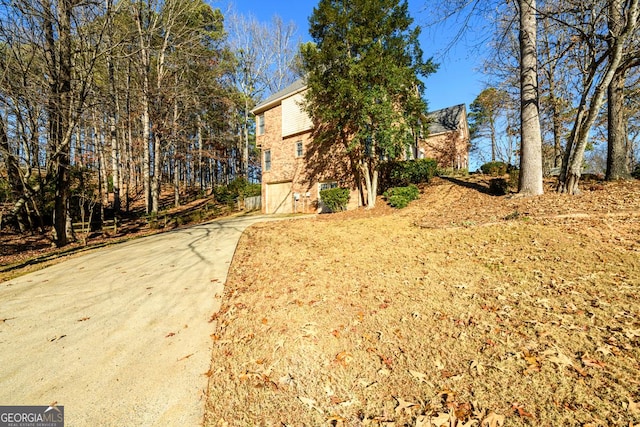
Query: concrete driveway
{"points": [[121, 336]]}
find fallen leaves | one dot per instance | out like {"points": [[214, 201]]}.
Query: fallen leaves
{"points": [[404, 406], [633, 407], [493, 313], [421, 377], [311, 403], [344, 358], [521, 411], [493, 420]]}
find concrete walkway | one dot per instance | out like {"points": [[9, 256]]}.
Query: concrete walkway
{"points": [[121, 336]]}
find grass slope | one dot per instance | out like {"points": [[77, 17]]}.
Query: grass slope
{"points": [[463, 309]]}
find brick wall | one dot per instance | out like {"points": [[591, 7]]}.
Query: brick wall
{"points": [[307, 171]]}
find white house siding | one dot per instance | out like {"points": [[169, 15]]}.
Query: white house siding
{"points": [[294, 118]]}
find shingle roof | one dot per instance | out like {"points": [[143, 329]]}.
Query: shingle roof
{"points": [[279, 96], [446, 120]]}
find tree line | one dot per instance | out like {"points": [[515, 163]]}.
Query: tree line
{"points": [[587, 54], [111, 101]]}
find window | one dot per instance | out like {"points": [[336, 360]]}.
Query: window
{"points": [[260, 119], [267, 160], [328, 185], [299, 149]]}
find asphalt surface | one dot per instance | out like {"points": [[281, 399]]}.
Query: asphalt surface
{"points": [[120, 336]]}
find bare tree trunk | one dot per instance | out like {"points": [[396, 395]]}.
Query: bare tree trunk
{"points": [[616, 138], [176, 160], [145, 105], [530, 183], [13, 173], [370, 175], [156, 178], [59, 114], [113, 117], [129, 139], [200, 147], [589, 109], [245, 145], [616, 135]]}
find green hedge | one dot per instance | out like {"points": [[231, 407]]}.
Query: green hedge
{"points": [[335, 199], [494, 168], [403, 173], [399, 197], [239, 187]]}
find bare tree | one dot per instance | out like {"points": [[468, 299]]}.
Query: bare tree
{"points": [[530, 182], [601, 70], [617, 152], [265, 53]]}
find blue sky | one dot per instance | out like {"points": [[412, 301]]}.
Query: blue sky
{"points": [[456, 81]]}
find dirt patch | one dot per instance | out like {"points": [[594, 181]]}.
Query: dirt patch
{"points": [[462, 309]]}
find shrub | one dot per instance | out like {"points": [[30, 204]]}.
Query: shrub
{"points": [[399, 197], [498, 187], [494, 168], [223, 195], [403, 173], [239, 187], [636, 172], [335, 199]]}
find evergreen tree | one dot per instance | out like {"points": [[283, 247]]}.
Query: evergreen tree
{"points": [[363, 74]]}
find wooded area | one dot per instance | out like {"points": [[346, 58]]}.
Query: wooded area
{"points": [[588, 85], [103, 103]]}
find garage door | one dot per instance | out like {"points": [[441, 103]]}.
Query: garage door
{"points": [[279, 198]]}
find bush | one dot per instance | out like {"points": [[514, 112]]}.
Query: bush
{"points": [[238, 188], [335, 199], [636, 172], [494, 168], [399, 197], [498, 187], [403, 173]]}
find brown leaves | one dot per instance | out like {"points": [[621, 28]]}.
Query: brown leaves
{"points": [[387, 361], [343, 358], [404, 405], [521, 411], [633, 407], [493, 420], [533, 365], [420, 377], [311, 403]]}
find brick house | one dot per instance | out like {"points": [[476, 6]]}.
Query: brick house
{"points": [[293, 174], [448, 141]]}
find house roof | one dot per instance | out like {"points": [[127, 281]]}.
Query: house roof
{"points": [[447, 119], [276, 98]]}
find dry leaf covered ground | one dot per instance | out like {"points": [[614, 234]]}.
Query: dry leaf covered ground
{"points": [[463, 309]]}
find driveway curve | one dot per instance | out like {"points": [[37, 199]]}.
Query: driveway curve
{"points": [[120, 336]]}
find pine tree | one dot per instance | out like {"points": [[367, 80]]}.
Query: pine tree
{"points": [[363, 78]]}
